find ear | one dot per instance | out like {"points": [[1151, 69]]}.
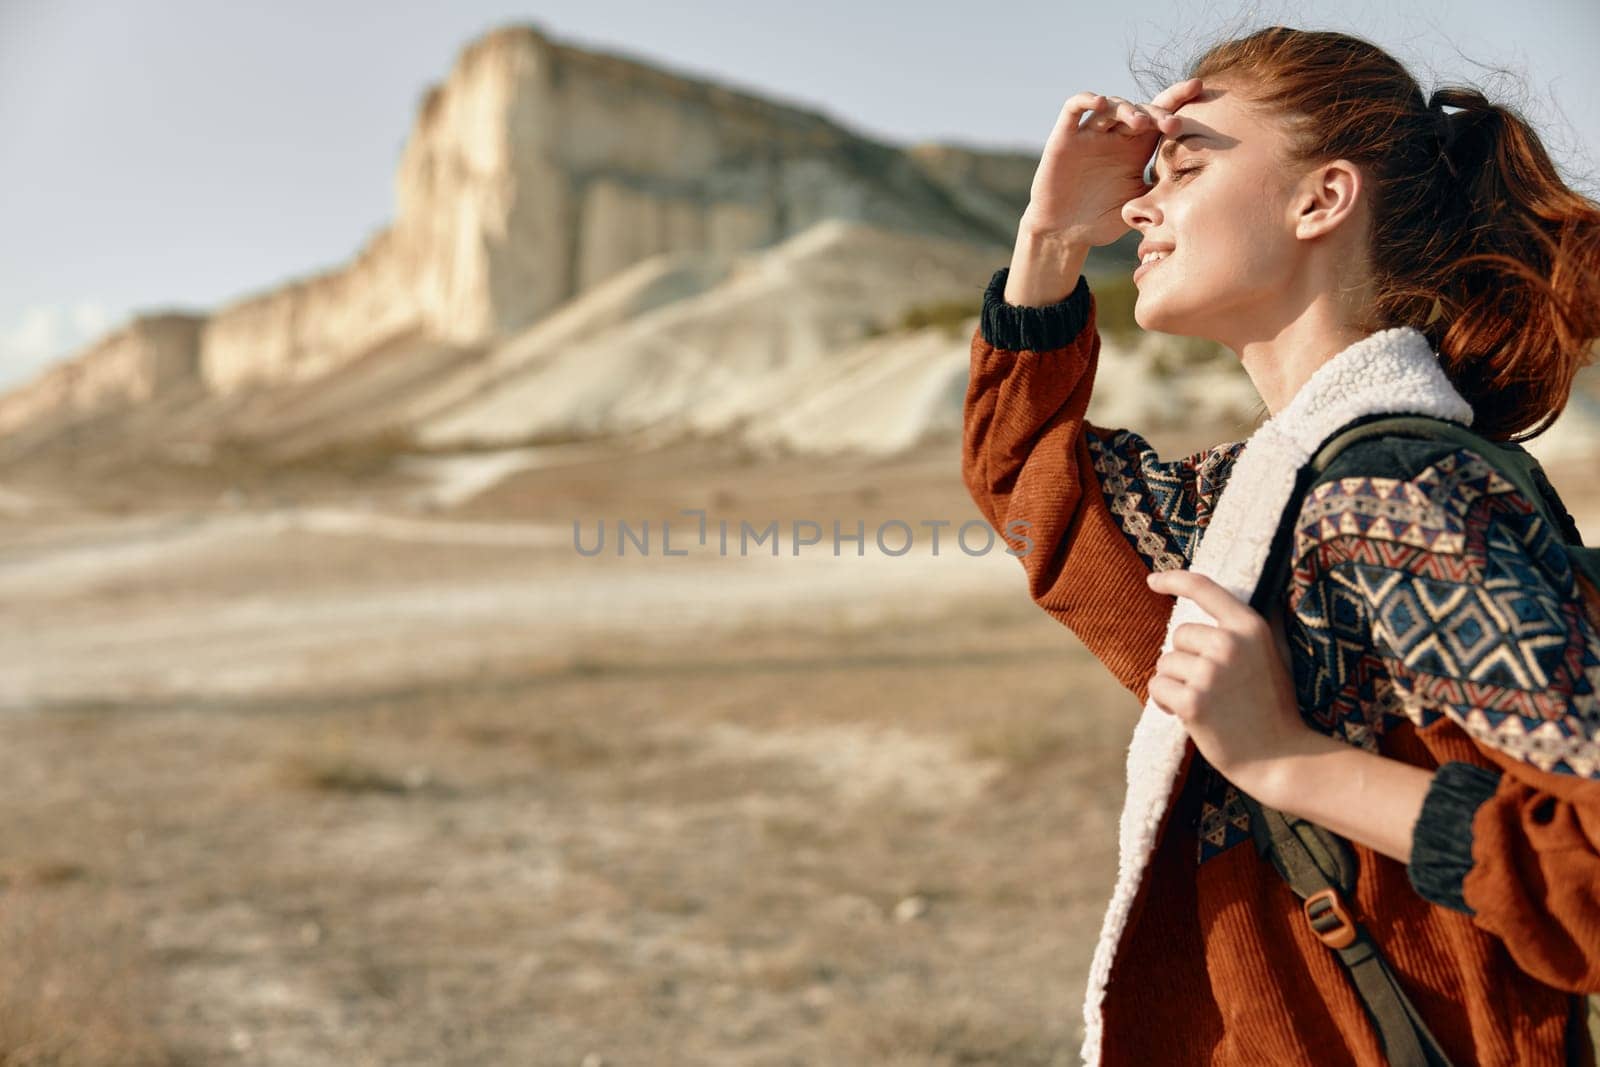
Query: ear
{"points": [[1327, 197]]}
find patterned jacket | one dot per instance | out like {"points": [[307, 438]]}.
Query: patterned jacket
{"points": [[1432, 617]]}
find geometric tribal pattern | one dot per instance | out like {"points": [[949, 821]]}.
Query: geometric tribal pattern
{"points": [[1440, 596], [1162, 507], [1466, 599], [1224, 820]]}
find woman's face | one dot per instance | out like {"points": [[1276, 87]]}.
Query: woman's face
{"points": [[1222, 204]]}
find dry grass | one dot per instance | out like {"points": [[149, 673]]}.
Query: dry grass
{"points": [[76, 988], [966, 1038], [331, 765], [1021, 745], [816, 842]]}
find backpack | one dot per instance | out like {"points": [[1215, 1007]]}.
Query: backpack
{"points": [[1318, 864]]}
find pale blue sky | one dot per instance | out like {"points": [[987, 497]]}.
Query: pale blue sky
{"points": [[179, 153]]}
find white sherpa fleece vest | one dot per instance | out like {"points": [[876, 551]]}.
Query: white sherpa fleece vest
{"points": [[1393, 371]]}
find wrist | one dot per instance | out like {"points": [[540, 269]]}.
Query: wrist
{"points": [[1045, 266], [1359, 794], [1031, 227], [1282, 781]]}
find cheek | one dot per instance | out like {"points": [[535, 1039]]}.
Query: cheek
{"points": [[1239, 241], [1233, 255]]}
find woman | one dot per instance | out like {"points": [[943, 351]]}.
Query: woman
{"points": [[1361, 251]]}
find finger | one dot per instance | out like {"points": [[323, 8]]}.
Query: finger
{"points": [[1186, 667], [1121, 116], [1101, 114], [1104, 117], [1172, 697], [1164, 121], [1177, 93], [1134, 119], [1220, 604], [1146, 117], [1078, 105], [1201, 640]]}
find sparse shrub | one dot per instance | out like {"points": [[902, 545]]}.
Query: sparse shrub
{"points": [[244, 460], [333, 767], [563, 745], [357, 457], [1114, 297], [342, 776], [951, 316]]}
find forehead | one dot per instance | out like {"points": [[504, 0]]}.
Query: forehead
{"points": [[1216, 119], [1214, 113]]}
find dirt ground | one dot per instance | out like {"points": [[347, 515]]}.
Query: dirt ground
{"points": [[319, 772]]}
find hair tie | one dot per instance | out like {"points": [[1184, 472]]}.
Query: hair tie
{"points": [[1444, 127]]}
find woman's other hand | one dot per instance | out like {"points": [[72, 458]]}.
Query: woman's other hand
{"points": [[1229, 685]]}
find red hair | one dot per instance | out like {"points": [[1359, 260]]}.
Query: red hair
{"points": [[1475, 239]]}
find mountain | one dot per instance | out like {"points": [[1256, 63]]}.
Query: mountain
{"points": [[538, 176]]}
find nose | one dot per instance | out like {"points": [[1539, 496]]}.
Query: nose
{"points": [[1140, 212]]}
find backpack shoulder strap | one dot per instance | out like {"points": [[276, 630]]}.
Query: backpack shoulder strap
{"points": [[1321, 870], [1511, 461]]}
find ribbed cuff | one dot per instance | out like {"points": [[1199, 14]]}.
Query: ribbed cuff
{"points": [[1441, 843], [1013, 328]]}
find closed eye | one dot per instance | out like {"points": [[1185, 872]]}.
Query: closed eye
{"points": [[1153, 178]]}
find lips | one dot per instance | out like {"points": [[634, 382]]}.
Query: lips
{"points": [[1144, 268]]}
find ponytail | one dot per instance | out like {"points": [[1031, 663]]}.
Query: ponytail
{"points": [[1519, 294]]}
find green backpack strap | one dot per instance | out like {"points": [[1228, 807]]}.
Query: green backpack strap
{"points": [[1321, 869], [1511, 461]]}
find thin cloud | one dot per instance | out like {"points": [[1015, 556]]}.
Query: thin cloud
{"points": [[46, 333]]}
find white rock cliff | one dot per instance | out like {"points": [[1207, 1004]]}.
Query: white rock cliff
{"points": [[533, 173]]}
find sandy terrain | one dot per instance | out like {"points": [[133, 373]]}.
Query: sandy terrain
{"points": [[322, 776], [389, 773]]}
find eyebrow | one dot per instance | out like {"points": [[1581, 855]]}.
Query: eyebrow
{"points": [[1169, 147]]}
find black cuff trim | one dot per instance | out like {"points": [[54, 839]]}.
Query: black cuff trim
{"points": [[1441, 843], [1014, 328]]}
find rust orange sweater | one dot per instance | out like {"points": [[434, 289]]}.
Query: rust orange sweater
{"points": [[1449, 636]]}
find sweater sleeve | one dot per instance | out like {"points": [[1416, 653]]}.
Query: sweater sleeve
{"points": [[1470, 601], [1090, 512]]}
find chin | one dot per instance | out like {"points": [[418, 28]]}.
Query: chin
{"points": [[1170, 309], [1153, 314]]}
